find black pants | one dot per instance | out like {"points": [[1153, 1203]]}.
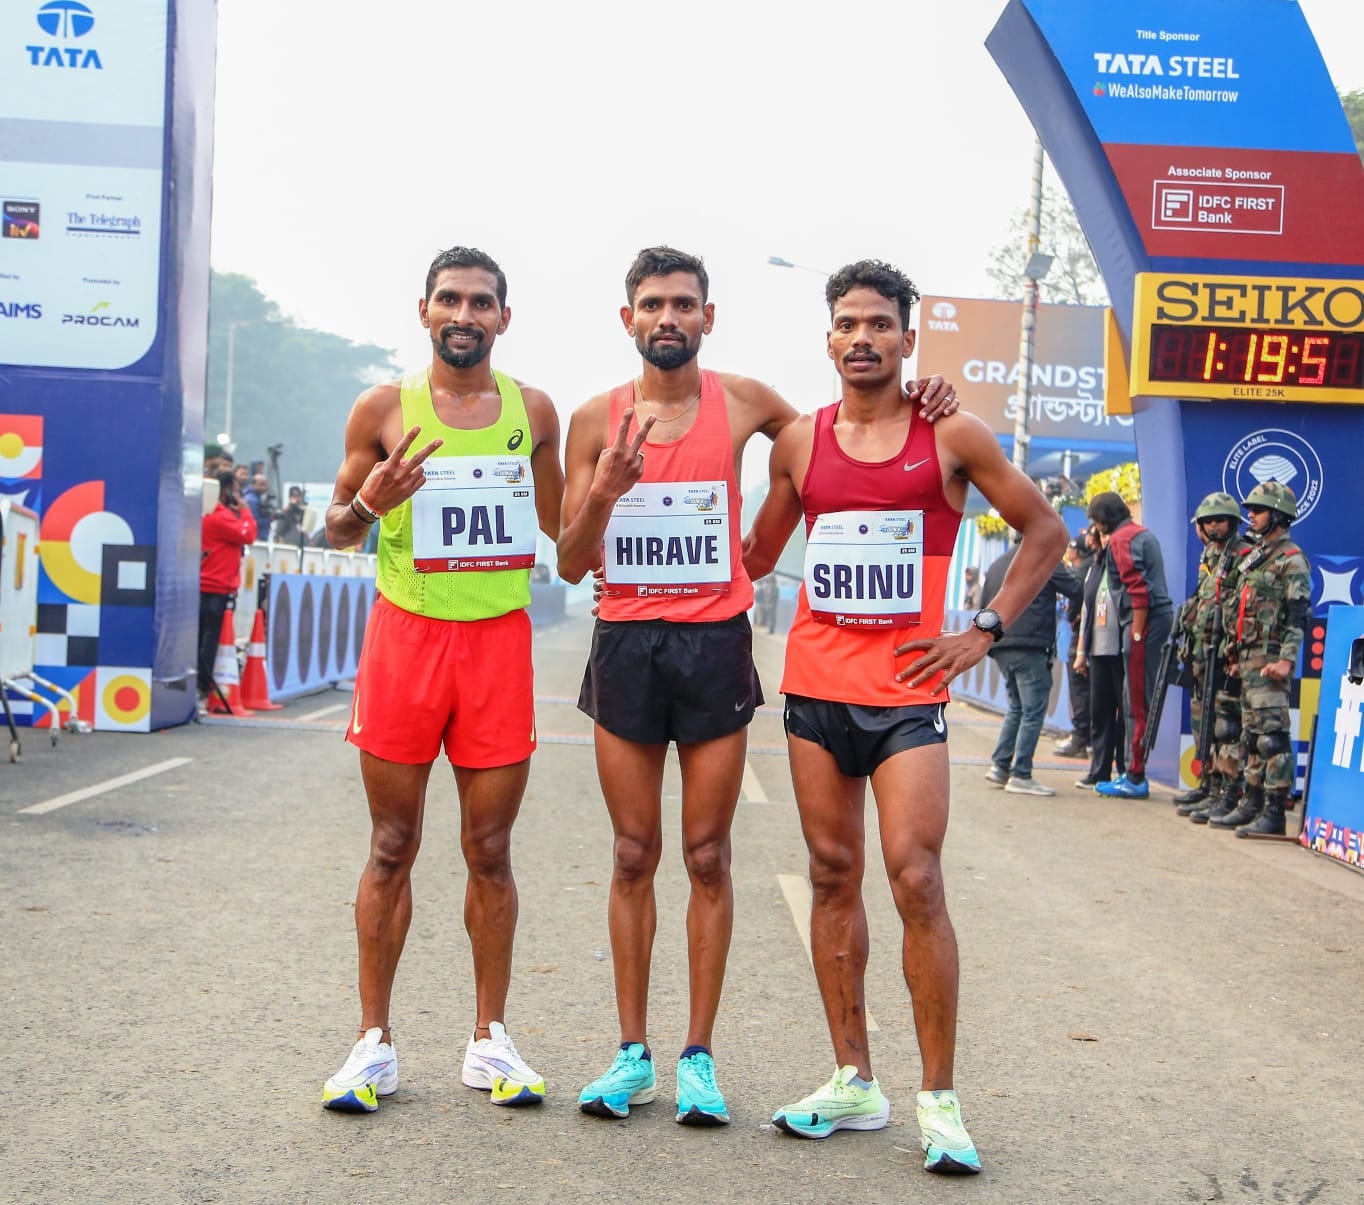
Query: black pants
{"points": [[1079, 701], [1106, 728], [212, 607]]}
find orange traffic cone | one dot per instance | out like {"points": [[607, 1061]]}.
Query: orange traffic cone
{"points": [[225, 675], [255, 689]]}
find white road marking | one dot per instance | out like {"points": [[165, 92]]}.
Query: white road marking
{"points": [[752, 789], [100, 788], [321, 711], [796, 889]]}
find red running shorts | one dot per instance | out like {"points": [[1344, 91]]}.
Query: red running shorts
{"points": [[426, 682]]}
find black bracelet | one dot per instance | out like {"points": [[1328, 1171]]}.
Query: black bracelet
{"points": [[363, 513]]}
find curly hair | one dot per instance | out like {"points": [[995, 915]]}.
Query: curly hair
{"points": [[886, 279]]}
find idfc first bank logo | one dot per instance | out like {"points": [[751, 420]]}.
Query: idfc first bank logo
{"points": [[69, 21]]}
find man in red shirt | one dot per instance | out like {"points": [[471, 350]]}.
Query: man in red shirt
{"points": [[227, 529]]}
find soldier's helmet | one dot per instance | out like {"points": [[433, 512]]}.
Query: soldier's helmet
{"points": [[1275, 496], [1218, 506]]}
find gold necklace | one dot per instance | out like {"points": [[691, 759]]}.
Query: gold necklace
{"points": [[640, 401]]}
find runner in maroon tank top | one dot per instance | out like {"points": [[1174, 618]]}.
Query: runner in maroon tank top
{"points": [[866, 674]]}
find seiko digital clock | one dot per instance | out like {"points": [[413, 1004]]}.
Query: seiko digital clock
{"points": [[1248, 338]]}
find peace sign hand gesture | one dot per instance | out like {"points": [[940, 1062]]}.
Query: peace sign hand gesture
{"points": [[620, 466], [394, 480]]}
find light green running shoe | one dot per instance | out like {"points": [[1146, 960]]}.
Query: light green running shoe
{"points": [[630, 1081], [839, 1105], [948, 1148]]}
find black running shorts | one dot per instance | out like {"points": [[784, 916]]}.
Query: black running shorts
{"points": [[653, 681], [861, 738]]}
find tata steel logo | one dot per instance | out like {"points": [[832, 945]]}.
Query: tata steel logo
{"points": [[944, 309], [99, 316], [69, 20]]}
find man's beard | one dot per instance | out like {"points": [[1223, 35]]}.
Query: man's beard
{"points": [[462, 359], [667, 356]]}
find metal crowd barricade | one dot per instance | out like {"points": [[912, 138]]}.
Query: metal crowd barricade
{"points": [[19, 625]]}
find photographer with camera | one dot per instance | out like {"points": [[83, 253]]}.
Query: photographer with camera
{"points": [[227, 529]]}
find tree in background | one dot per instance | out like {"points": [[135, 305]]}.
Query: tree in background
{"points": [[1353, 104], [1074, 277], [290, 385]]}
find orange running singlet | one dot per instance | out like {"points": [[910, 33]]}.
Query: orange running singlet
{"points": [[673, 549], [857, 664]]}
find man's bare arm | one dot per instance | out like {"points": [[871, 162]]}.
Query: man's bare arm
{"points": [[597, 476], [782, 509], [544, 460], [381, 479], [980, 461]]}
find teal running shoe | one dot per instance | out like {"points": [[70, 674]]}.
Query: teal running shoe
{"points": [[630, 1081], [699, 1102], [948, 1149], [839, 1105]]}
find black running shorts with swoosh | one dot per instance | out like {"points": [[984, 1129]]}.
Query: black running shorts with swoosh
{"points": [[652, 681], [861, 738]]}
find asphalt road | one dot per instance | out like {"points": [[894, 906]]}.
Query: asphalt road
{"points": [[1150, 1012]]}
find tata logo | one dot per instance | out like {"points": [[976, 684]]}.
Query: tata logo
{"points": [[944, 317], [98, 316], [69, 20], [1275, 455], [21, 309]]}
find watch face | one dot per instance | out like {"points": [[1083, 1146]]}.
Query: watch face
{"points": [[987, 621]]}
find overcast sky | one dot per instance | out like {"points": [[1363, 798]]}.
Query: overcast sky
{"points": [[354, 141]]}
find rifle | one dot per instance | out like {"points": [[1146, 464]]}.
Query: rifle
{"points": [[1212, 672], [1170, 672]]}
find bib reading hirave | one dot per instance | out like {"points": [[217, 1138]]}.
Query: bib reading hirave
{"points": [[864, 568], [669, 538], [474, 513]]}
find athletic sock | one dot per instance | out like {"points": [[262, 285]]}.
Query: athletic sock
{"points": [[691, 1050], [646, 1056], [858, 1082]]}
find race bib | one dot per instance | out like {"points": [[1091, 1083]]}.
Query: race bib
{"points": [[864, 568], [669, 539], [474, 513]]}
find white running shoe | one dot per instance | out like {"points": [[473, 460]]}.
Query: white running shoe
{"points": [[492, 1065], [369, 1073]]}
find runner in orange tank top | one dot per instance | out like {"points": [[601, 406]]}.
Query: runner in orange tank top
{"points": [[867, 671], [653, 498]]}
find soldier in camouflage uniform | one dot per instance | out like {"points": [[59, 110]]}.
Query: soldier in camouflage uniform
{"points": [[1218, 518], [1265, 622]]}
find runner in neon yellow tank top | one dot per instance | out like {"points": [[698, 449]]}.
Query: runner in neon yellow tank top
{"points": [[446, 657]]}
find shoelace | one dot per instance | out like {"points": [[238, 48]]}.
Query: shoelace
{"points": [[704, 1070]]}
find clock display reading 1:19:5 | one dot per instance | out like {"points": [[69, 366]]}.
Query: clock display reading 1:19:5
{"points": [[1241, 355]]}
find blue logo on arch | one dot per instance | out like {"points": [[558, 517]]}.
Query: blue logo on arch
{"points": [[65, 19], [1272, 454]]}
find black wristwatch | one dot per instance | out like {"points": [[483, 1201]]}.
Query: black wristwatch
{"points": [[989, 621]]}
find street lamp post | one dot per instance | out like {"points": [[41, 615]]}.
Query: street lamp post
{"points": [[231, 367], [1037, 267]]}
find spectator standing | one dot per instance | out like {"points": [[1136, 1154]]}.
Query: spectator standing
{"points": [[1077, 560], [289, 522], [1136, 578], [227, 529], [1098, 657], [971, 601], [1024, 655], [256, 497]]}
